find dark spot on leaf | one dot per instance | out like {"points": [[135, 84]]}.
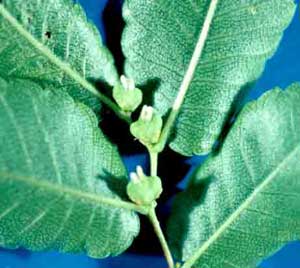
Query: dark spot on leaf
{"points": [[48, 34], [29, 20]]}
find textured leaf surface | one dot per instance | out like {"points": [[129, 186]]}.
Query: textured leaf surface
{"points": [[57, 173], [244, 203], [158, 43], [60, 26]]}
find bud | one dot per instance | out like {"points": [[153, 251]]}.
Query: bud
{"points": [[142, 189], [134, 178], [147, 128], [127, 83], [127, 96], [147, 113]]}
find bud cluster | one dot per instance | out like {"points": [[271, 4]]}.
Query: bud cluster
{"points": [[147, 128], [127, 96], [142, 189]]}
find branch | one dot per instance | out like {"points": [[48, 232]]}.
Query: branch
{"points": [[153, 218]]}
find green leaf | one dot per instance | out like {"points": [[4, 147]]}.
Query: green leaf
{"points": [[243, 204], [158, 43], [60, 179], [53, 43]]}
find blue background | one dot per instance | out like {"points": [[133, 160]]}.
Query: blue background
{"points": [[282, 70]]}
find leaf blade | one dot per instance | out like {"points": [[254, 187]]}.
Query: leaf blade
{"points": [[56, 171], [159, 40], [250, 199], [54, 43]]}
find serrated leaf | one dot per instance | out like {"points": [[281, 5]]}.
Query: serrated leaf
{"points": [[243, 204], [53, 28], [60, 179], [158, 43]]}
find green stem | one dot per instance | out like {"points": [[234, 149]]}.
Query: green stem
{"points": [[153, 218], [153, 162], [64, 67], [188, 77]]}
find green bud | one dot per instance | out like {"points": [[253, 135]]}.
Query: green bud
{"points": [[147, 128], [127, 96], [142, 189]]}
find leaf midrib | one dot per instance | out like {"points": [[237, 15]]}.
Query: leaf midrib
{"points": [[234, 216], [196, 56], [64, 189], [189, 74]]}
